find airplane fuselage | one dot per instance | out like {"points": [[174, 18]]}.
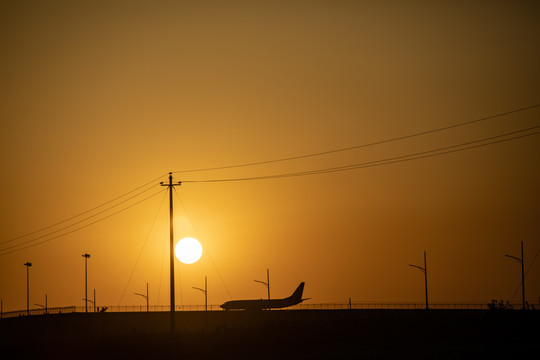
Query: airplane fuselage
{"points": [[260, 304]]}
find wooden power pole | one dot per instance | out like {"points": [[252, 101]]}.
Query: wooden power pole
{"points": [[170, 185]]}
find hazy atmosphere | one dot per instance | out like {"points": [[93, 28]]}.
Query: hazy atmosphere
{"points": [[324, 103]]}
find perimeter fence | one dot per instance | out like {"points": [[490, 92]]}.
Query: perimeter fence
{"points": [[321, 306], [40, 311]]}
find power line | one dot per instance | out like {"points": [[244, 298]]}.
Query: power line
{"points": [[75, 223], [80, 214], [361, 145], [387, 161], [142, 248], [312, 172], [2, 253], [428, 153]]}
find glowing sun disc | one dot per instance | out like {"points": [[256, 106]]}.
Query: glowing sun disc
{"points": [[188, 250]]}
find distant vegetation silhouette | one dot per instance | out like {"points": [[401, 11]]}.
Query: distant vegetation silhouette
{"points": [[501, 305]]}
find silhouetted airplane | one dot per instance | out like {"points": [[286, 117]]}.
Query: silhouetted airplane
{"points": [[295, 298]]}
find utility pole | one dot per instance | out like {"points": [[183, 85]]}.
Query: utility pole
{"points": [[170, 185], [267, 284], [27, 264], [424, 270], [86, 256], [522, 274]]}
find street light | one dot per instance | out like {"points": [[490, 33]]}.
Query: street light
{"points": [[424, 270], [93, 302], [27, 264], [145, 296], [267, 284], [86, 256], [205, 292], [522, 274], [45, 307], [88, 300]]}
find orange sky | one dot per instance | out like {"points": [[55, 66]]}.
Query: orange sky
{"points": [[101, 97]]}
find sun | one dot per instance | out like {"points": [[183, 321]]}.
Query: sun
{"points": [[188, 250]]}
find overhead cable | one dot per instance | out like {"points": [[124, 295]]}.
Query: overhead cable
{"points": [[3, 252], [142, 247], [387, 161], [361, 145], [80, 214], [73, 224]]}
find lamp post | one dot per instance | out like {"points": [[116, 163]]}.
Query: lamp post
{"points": [[205, 292], [88, 300], [424, 270], [27, 264], [45, 307], [93, 302], [145, 296], [267, 284], [522, 274], [86, 256]]}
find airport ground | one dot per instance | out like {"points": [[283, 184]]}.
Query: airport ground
{"points": [[285, 334]]}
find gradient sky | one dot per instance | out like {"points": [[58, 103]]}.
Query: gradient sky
{"points": [[101, 97]]}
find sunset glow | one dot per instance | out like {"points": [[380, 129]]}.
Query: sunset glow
{"points": [[291, 126], [188, 250]]}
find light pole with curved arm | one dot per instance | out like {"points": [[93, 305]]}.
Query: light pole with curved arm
{"points": [[424, 270], [86, 256], [145, 296], [205, 292], [522, 274], [45, 307], [27, 264], [267, 284]]}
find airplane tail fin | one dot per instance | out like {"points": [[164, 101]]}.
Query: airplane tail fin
{"points": [[297, 295]]}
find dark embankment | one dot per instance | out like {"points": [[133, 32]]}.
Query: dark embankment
{"points": [[298, 334]]}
